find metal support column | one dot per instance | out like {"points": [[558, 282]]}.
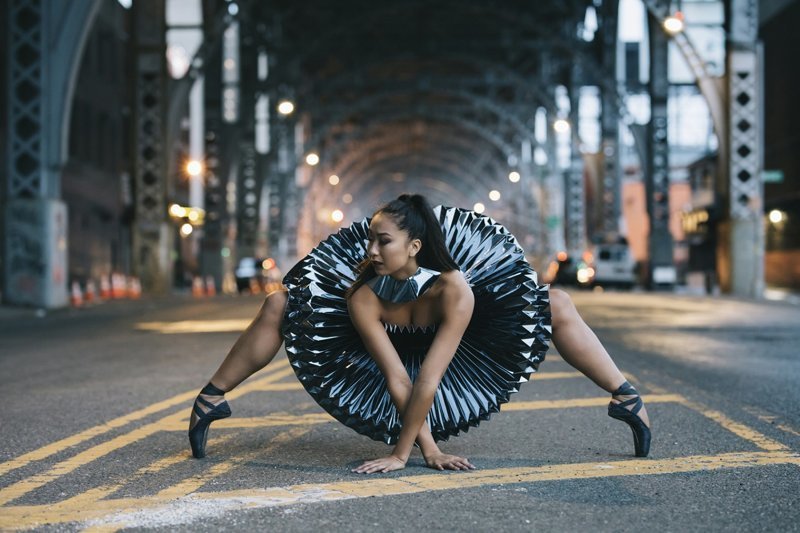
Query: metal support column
{"points": [[42, 57], [661, 270], [249, 182], [152, 235], [214, 228], [574, 179], [745, 198], [610, 184]]}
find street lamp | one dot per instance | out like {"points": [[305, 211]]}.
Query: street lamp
{"points": [[337, 215], [312, 159], [494, 195], [561, 125], [333, 179], [674, 24], [513, 177], [479, 208], [285, 107], [194, 168]]}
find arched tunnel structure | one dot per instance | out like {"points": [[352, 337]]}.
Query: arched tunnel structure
{"points": [[455, 100]]}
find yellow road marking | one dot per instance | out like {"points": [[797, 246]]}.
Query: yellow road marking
{"points": [[20, 488], [788, 429], [584, 402], [745, 432], [196, 326], [192, 484], [60, 445], [120, 512]]}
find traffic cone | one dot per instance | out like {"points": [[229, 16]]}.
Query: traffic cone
{"points": [[76, 296], [211, 286], [91, 291], [198, 290], [134, 288], [105, 287], [118, 286]]}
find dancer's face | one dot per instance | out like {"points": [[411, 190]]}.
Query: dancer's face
{"points": [[390, 249]]}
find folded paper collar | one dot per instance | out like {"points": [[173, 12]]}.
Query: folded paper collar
{"points": [[405, 290]]}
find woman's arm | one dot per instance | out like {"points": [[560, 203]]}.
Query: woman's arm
{"points": [[415, 402]]}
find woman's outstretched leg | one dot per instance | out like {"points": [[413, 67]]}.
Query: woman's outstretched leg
{"points": [[254, 349], [580, 347]]}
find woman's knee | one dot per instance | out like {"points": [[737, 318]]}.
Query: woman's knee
{"points": [[273, 308], [561, 306]]}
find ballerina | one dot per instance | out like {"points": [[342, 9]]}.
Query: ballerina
{"points": [[410, 283]]}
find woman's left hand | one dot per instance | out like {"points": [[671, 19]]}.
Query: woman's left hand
{"points": [[382, 465], [445, 461]]}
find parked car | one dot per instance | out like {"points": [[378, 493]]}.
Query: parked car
{"points": [[254, 274]]}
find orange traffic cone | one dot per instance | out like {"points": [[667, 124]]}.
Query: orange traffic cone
{"points": [[91, 291], [198, 290], [76, 296], [105, 287], [118, 286], [134, 288], [211, 286]]}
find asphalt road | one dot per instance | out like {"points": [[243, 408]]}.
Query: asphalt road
{"points": [[95, 403]]}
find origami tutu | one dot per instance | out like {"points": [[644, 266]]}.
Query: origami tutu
{"points": [[504, 343]]}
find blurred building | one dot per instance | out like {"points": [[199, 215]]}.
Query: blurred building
{"points": [[96, 182]]}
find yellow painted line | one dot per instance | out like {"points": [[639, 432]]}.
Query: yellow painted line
{"points": [[196, 326], [739, 429], [78, 438], [20, 488], [787, 429], [262, 422], [192, 484], [585, 402], [122, 512]]}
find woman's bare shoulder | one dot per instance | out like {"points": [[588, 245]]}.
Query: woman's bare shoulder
{"points": [[363, 300], [454, 286]]}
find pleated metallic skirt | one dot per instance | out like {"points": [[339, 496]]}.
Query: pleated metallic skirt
{"points": [[503, 345]]}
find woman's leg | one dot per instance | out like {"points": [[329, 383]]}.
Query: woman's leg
{"points": [[581, 348], [254, 349]]}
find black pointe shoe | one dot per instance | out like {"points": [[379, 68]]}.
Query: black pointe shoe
{"points": [[198, 433], [641, 433]]}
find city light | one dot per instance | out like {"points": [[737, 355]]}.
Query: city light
{"points": [[347, 198], [285, 107], [194, 168], [674, 23], [337, 215], [333, 179], [776, 216], [494, 195], [479, 208], [561, 126], [513, 177], [186, 230], [268, 263], [312, 159]]}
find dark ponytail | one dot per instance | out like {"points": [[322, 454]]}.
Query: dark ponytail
{"points": [[413, 214]]}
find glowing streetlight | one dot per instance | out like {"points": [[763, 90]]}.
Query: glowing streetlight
{"points": [[513, 177], [194, 168], [776, 216], [177, 211], [674, 23], [494, 195], [333, 179], [186, 230], [347, 198], [312, 159], [337, 215], [479, 208], [561, 126], [285, 107]]}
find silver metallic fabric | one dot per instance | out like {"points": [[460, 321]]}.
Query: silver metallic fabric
{"points": [[504, 343], [406, 290]]}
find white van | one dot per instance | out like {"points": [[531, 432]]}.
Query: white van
{"points": [[614, 266]]}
